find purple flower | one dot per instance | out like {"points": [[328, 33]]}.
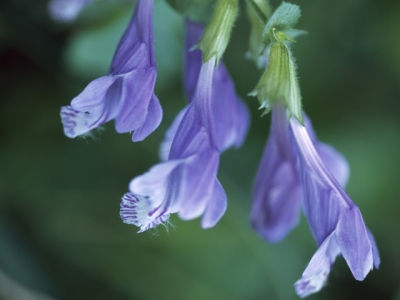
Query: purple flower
{"points": [[127, 93], [298, 171], [335, 221], [278, 191], [230, 111], [186, 182], [66, 10]]}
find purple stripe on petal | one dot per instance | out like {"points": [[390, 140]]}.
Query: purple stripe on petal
{"points": [[134, 210]]}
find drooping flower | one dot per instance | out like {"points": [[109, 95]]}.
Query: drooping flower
{"points": [[335, 221], [228, 109], [298, 171], [66, 10], [186, 183], [126, 94], [278, 191]]}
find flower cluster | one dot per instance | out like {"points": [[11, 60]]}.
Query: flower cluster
{"points": [[297, 172]]}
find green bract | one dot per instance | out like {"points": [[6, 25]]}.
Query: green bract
{"points": [[258, 12], [284, 18], [217, 33], [259, 9], [279, 82]]}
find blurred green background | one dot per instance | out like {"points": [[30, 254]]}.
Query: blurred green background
{"points": [[60, 230]]}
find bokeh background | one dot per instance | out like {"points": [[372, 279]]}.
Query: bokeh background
{"points": [[61, 236]]}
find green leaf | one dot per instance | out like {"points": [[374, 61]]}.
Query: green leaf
{"points": [[258, 12]]}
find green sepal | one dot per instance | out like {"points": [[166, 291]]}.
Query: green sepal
{"points": [[259, 9], [196, 10], [258, 12], [279, 82], [285, 17], [218, 31], [280, 36]]}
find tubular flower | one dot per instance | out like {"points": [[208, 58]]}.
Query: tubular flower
{"points": [[66, 10], [277, 201], [335, 221], [186, 183], [230, 111], [126, 94], [298, 171]]}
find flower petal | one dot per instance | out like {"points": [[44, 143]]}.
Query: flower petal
{"points": [[216, 206], [153, 119], [198, 184], [74, 122], [78, 122], [136, 47], [231, 116], [354, 242], [276, 206], [323, 195], [277, 193], [137, 91], [153, 184], [335, 162], [375, 252], [333, 159], [193, 60], [165, 146], [317, 271], [92, 98], [190, 137]]}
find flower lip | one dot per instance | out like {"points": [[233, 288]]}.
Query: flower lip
{"points": [[133, 211]]}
